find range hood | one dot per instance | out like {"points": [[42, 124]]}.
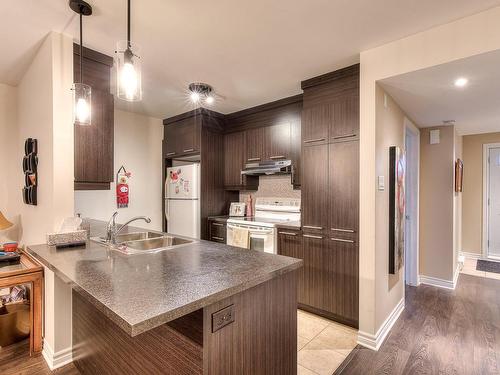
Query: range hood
{"points": [[267, 168]]}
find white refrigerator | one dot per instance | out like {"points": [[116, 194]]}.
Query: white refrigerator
{"points": [[182, 200]]}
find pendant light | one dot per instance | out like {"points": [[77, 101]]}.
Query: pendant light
{"points": [[128, 67], [82, 93]]}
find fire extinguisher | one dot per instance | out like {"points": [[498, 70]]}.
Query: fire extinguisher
{"points": [[122, 189]]}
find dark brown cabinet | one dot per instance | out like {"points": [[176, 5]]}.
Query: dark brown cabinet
{"points": [[277, 142], [217, 230], [315, 188], [93, 159], [290, 244], [234, 161], [183, 137], [343, 184], [330, 194], [255, 145]]}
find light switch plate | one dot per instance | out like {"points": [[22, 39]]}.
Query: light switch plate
{"points": [[434, 137], [381, 183]]}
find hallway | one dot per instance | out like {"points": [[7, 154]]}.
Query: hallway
{"points": [[440, 332]]}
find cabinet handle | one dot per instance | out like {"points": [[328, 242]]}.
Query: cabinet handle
{"points": [[170, 153], [314, 140], [311, 236], [277, 157], [288, 233], [344, 136], [218, 224], [253, 159], [218, 238], [312, 227], [342, 240], [342, 230], [188, 150]]}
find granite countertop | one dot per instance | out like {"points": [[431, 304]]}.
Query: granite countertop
{"points": [[141, 292]]}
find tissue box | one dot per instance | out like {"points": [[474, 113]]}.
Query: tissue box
{"points": [[67, 239]]}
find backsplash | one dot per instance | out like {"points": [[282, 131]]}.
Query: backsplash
{"points": [[272, 186]]}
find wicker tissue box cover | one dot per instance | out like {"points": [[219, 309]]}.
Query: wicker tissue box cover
{"points": [[67, 239]]}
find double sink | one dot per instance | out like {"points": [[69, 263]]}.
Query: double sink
{"points": [[144, 242]]}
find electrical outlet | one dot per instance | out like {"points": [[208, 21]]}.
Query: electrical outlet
{"points": [[222, 318]]}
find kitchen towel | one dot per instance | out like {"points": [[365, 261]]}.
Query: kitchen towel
{"points": [[241, 237]]}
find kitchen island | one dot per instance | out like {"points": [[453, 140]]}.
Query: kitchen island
{"points": [[203, 308]]}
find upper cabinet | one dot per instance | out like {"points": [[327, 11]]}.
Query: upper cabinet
{"points": [[183, 137], [255, 148], [234, 161], [277, 141], [93, 158]]}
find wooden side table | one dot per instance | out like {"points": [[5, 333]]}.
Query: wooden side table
{"points": [[28, 271]]}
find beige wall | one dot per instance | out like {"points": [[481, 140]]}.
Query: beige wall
{"points": [[8, 143], [390, 132], [138, 141], [437, 204], [459, 39], [472, 196]]}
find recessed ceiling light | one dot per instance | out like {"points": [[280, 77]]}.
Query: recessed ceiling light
{"points": [[461, 82]]}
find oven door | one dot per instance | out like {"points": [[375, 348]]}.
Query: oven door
{"points": [[260, 238]]}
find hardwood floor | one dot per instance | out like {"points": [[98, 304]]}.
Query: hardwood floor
{"points": [[15, 359], [440, 332]]}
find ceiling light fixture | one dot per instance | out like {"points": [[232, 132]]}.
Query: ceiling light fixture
{"points": [[461, 82], [128, 67], [82, 94], [201, 93]]}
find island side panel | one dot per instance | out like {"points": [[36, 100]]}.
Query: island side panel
{"points": [[263, 337], [101, 347]]}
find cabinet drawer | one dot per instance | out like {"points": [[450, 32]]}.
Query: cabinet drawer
{"points": [[217, 231]]}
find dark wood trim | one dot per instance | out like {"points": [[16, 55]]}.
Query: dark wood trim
{"points": [[92, 186], [194, 112], [330, 77], [265, 107], [329, 315], [93, 55]]}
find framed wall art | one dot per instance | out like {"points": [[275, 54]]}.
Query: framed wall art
{"points": [[397, 171]]}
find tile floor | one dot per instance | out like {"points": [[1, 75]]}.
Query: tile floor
{"points": [[469, 268], [322, 344]]}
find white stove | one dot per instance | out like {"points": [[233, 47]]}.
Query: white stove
{"points": [[261, 228]]}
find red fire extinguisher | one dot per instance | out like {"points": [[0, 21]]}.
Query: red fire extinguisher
{"points": [[122, 189]]}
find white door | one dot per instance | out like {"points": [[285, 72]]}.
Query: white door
{"points": [[183, 217], [493, 202]]}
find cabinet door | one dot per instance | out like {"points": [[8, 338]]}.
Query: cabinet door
{"points": [[340, 279], [315, 123], [234, 148], [345, 124], [296, 154], [315, 189], [290, 245], [183, 137], [278, 142], [344, 188], [314, 248], [217, 231], [255, 145]]}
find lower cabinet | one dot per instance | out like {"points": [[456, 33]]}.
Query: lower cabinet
{"points": [[217, 231], [328, 281]]}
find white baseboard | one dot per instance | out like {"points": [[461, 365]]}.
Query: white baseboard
{"points": [[56, 360], [471, 255], [375, 341], [441, 283]]}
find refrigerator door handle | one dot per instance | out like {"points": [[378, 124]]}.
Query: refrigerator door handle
{"points": [[167, 209]]}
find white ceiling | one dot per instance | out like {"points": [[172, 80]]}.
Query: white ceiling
{"points": [[430, 97], [252, 52]]}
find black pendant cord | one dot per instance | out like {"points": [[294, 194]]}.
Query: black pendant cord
{"points": [[81, 48], [128, 23]]}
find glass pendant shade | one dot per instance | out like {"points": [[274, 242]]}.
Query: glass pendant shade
{"points": [[82, 104], [128, 69]]}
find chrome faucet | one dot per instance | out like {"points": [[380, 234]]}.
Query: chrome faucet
{"points": [[112, 229]]}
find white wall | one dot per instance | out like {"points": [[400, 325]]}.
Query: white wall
{"points": [[8, 144], [44, 112], [138, 146], [459, 39]]}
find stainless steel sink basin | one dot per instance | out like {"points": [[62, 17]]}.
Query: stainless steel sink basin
{"points": [[121, 238], [165, 242]]}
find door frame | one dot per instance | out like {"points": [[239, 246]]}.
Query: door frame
{"points": [[486, 194], [412, 188]]}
